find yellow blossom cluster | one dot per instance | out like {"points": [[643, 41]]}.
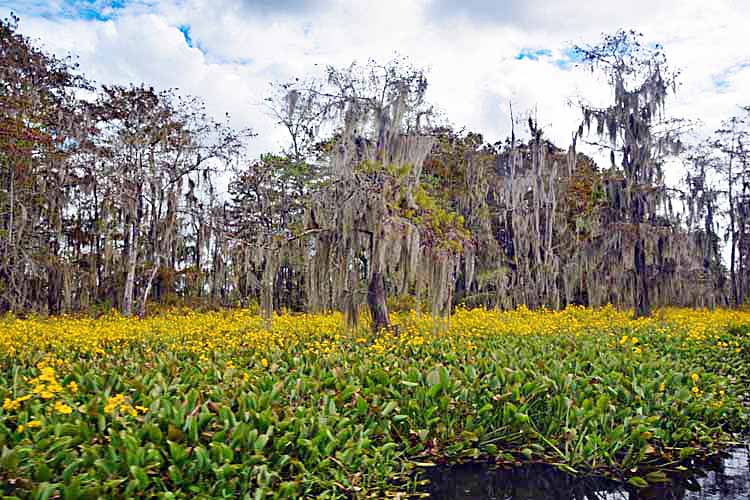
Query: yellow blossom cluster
{"points": [[179, 330], [119, 403], [46, 387], [14, 404], [187, 373], [32, 424], [46, 384], [241, 330]]}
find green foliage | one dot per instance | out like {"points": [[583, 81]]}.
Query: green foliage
{"points": [[444, 227], [342, 414], [392, 170]]}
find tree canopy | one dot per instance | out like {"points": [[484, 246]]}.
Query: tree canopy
{"points": [[108, 197]]}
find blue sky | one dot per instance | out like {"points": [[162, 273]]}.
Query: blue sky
{"points": [[185, 30], [480, 58], [87, 10]]}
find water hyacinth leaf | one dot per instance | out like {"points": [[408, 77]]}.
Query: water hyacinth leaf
{"points": [[140, 476], [566, 468], [388, 447], [657, 477], [485, 409], [686, 453], [260, 443], [43, 473], [333, 422], [433, 378], [388, 409], [638, 482]]}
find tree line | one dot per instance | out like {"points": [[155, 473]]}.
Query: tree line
{"points": [[109, 197]]}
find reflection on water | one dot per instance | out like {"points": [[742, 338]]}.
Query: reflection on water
{"points": [[727, 478]]}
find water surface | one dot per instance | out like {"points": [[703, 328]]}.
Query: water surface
{"points": [[725, 478]]}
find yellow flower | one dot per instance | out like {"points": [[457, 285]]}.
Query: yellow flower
{"points": [[48, 375], [61, 407], [47, 394], [73, 387], [695, 377], [696, 390], [141, 409], [623, 339], [264, 362], [21, 428], [113, 402], [34, 424], [662, 386], [10, 404], [634, 340], [245, 377]]}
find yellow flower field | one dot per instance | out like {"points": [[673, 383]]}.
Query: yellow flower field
{"points": [[227, 331], [205, 405]]}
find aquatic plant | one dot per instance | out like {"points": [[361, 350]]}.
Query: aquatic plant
{"points": [[207, 405]]}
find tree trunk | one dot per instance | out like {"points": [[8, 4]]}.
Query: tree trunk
{"points": [[147, 290], [127, 298], [642, 302], [54, 289], [733, 233], [198, 258], [742, 251], [376, 301]]}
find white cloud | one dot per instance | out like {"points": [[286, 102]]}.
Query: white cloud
{"points": [[469, 48]]}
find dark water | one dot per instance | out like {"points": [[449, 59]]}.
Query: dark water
{"points": [[726, 478]]}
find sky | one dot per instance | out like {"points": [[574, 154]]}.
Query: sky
{"points": [[480, 55]]}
